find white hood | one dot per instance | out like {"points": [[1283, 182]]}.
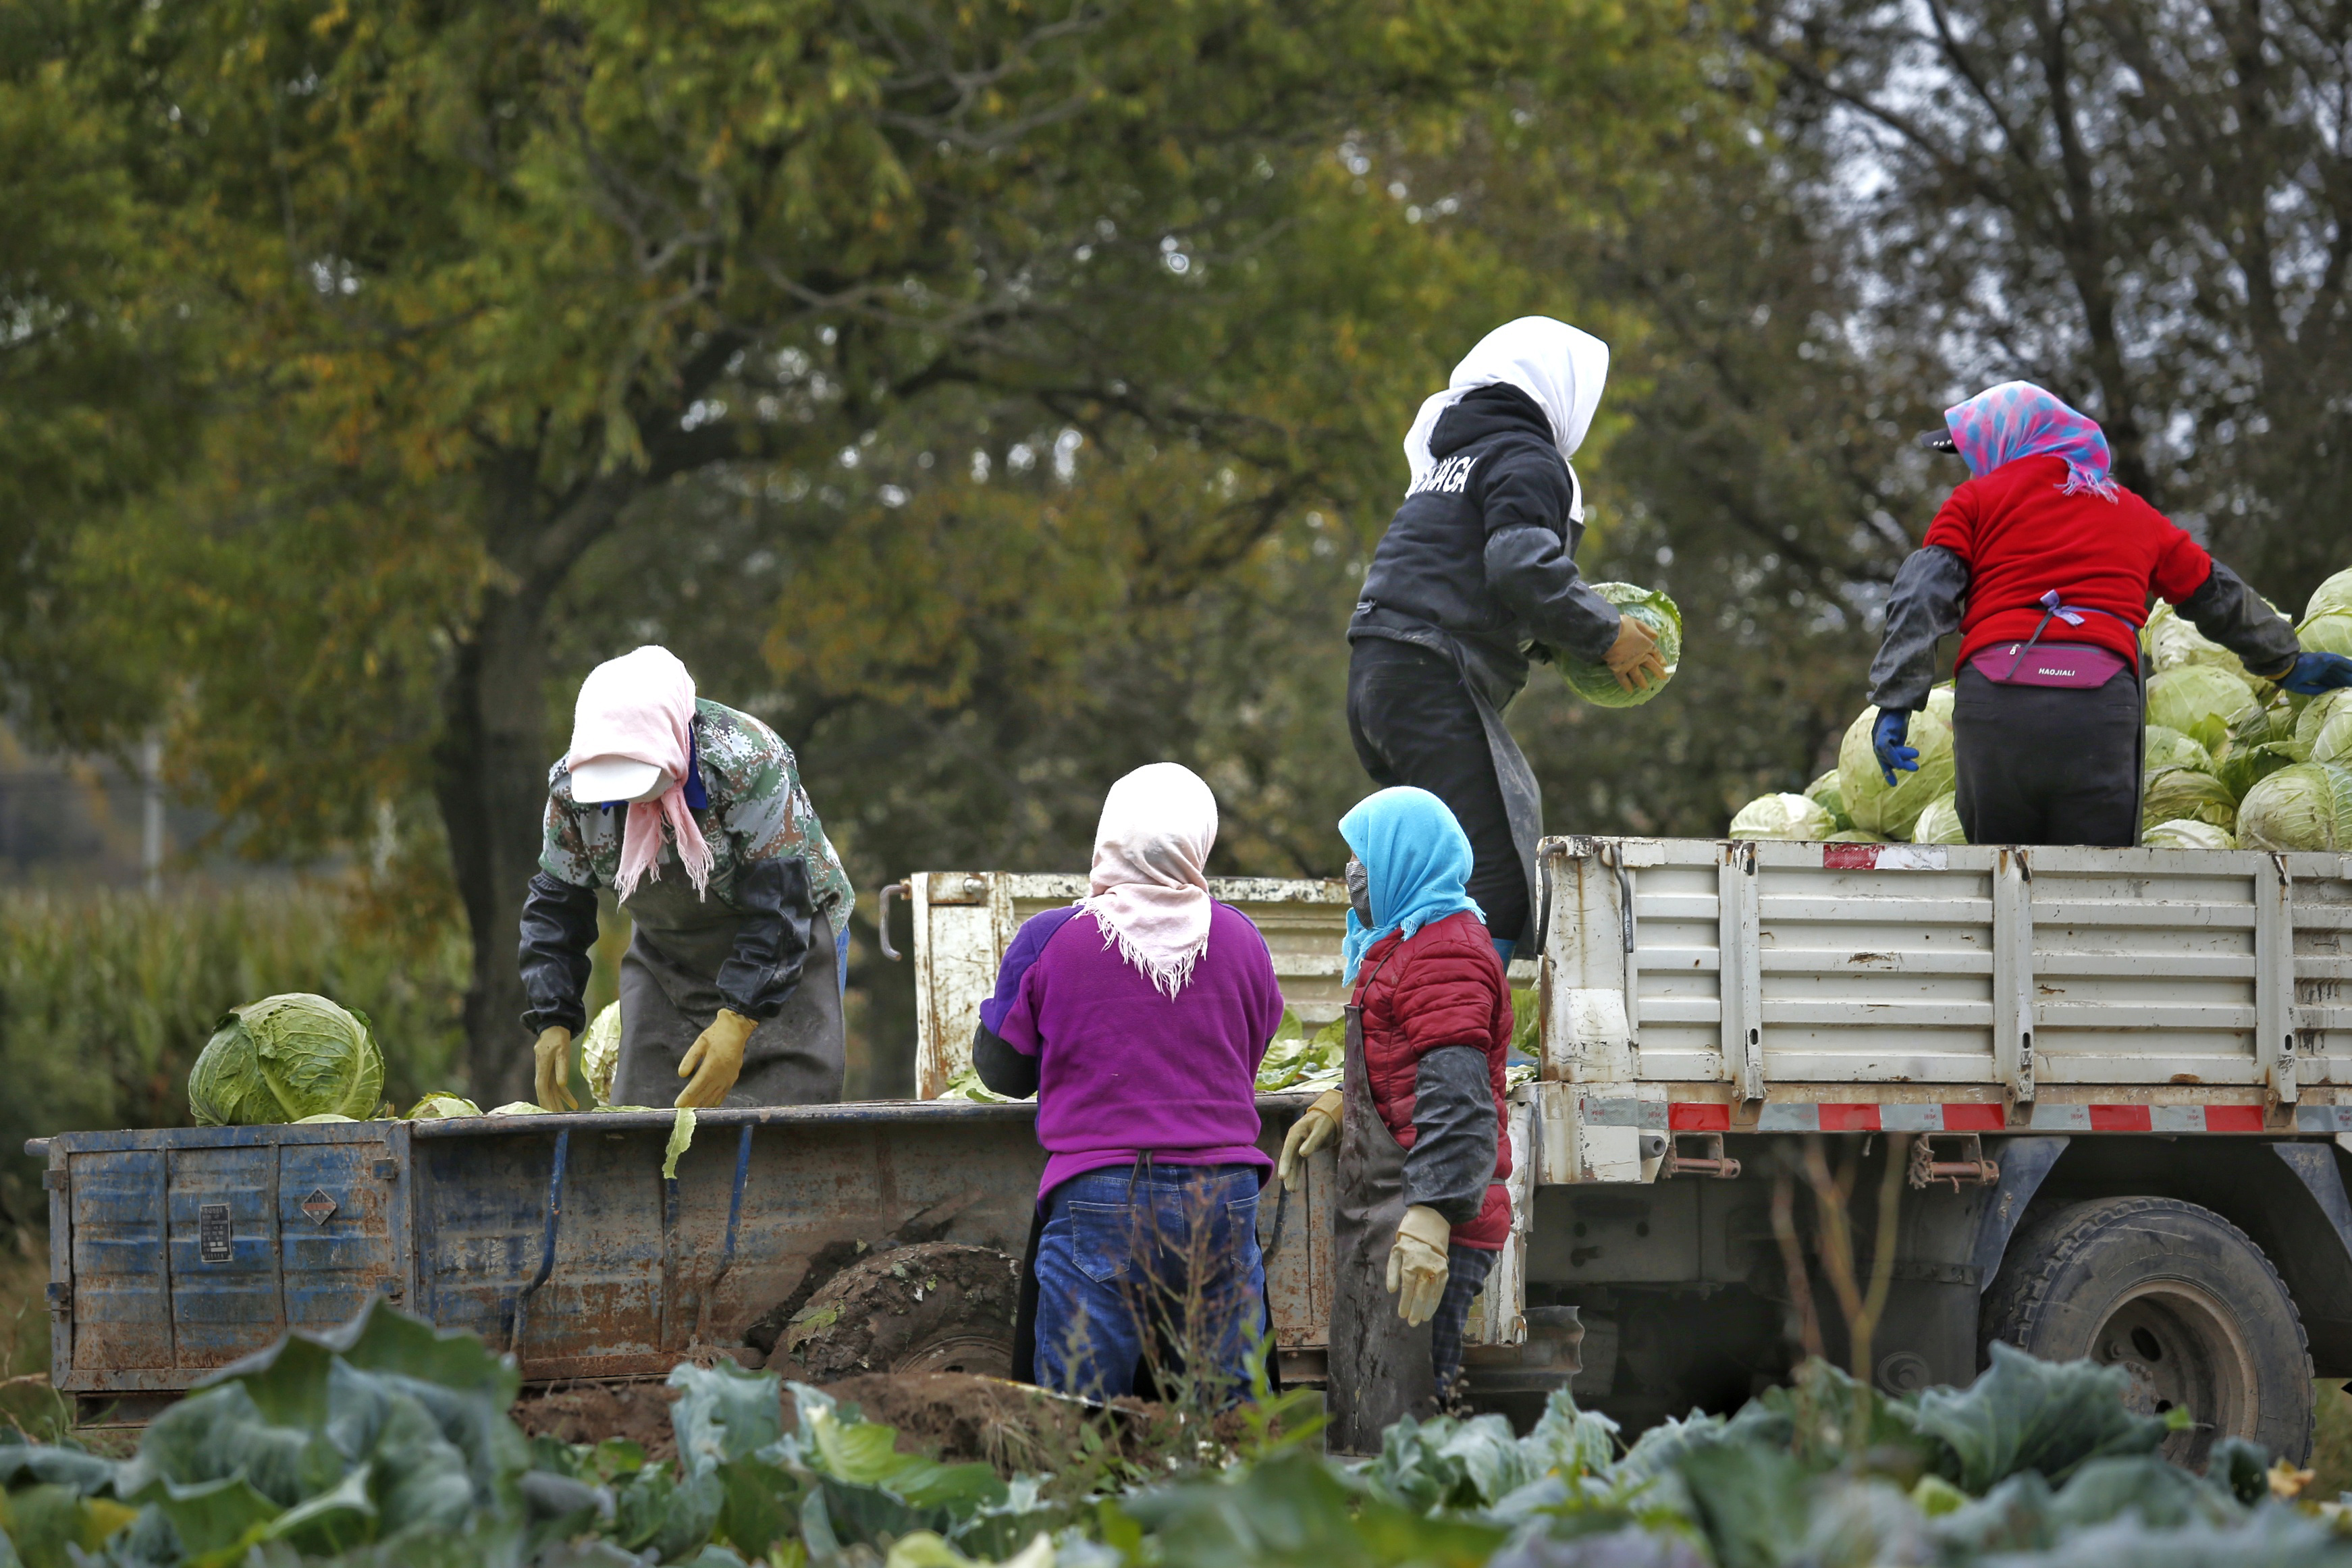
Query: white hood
{"points": [[1561, 368]]}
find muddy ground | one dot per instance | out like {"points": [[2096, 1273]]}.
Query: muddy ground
{"points": [[955, 1417]]}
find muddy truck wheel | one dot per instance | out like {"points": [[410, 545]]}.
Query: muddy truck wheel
{"points": [[2181, 1299], [939, 1306]]}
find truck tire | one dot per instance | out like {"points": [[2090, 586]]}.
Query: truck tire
{"points": [[939, 1306], [2179, 1298]]}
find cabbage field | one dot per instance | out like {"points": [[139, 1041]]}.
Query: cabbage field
{"points": [[2232, 761], [392, 1443]]}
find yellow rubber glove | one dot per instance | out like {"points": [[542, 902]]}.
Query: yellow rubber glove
{"points": [[715, 1060], [1417, 1266], [1633, 658], [552, 1060], [1315, 1126]]}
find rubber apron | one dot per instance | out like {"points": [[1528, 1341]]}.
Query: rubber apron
{"points": [[1491, 692], [669, 995], [1380, 1366]]}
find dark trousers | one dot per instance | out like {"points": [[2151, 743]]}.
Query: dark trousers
{"points": [[2046, 765], [1414, 722]]}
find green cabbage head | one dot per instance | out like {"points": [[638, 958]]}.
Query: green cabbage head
{"points": [[1824, 792], [1783, 817], [1890, 813], [2305, 807], [2183, 794], [2328, 633], [2198, 700], [2170, 748], [284, 1057], [2187, 835], [2325, 728], [1654, 609], [1940, 822], [2333, 597], [2173, 643]]}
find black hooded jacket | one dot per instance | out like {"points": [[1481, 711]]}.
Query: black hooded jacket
{"points": [[1484, 548]]}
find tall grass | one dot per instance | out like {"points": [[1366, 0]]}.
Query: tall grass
{"points": [[106, 999]]}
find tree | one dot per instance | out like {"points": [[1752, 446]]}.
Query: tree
{"points": [[482, 284], [2141, 204]]}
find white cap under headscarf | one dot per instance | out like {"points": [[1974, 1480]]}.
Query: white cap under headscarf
{"points": [[1560, 367], [1149, 889]]}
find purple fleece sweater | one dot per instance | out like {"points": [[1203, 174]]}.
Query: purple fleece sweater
{"points": [[1122, 1067]]}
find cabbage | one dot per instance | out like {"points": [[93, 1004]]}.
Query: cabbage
{"points": [[1782, 817], [2170, 748], [441, 1103], [2186, 698], [2305, 807], [599, 1054], [2333, 597], [1654, 609], [2173, 643], [2328, 633], [2184, 794], [1869, 803], [2325, 728], [2244, 768], [2187, 835], [1824, 792], [1940, 822], [1853, 836], [284, 1057]]}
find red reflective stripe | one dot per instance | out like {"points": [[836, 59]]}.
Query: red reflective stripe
{"points": [[1848, 1118], [1849, 857], [1698, 1116], [2119, 1119], [1974, 1119], [2234, 1118]]}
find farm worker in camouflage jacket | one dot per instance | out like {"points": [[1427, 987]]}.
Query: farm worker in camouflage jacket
{"points": [[695, 815]]}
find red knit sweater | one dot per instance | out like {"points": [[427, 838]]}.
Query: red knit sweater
{"points": [[2022, 536]]}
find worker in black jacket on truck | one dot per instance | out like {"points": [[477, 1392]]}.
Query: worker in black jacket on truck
{"points": [[1476, 575]]}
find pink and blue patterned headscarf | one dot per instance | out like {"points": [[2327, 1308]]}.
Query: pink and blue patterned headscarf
{"points": [[2018, 419]]}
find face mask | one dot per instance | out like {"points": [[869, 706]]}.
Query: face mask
{"points": [[1359, 890]]}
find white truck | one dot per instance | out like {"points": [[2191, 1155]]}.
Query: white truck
{"points": [[2119, 1082]]}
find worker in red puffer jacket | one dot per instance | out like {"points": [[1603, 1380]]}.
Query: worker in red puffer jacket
{"points": [[1423, 1211]]}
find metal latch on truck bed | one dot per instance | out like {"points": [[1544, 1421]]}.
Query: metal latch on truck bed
{"points": [[1970, 1166], [1710, 1162]]}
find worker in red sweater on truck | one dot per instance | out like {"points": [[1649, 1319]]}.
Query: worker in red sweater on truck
{"points": [[1422, 1210], [2044, 564]]}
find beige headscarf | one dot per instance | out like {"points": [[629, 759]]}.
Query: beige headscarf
{"points": [[1149, 888]]}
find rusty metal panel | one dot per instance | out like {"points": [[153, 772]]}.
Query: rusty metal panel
{"points": [[225, 1296], [1299, 1270], [121, 1301]]}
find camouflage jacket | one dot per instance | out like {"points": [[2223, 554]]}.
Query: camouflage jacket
{"points": [[758, 812]]}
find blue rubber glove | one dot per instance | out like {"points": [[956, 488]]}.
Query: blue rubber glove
{"points": [[2315, 672], [1886, 743]]}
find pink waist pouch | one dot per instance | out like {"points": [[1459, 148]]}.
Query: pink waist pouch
{"points": [[2078, 667]]}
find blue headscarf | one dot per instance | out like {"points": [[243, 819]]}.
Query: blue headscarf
{"points": [[1416, 859], [2018, 419]]}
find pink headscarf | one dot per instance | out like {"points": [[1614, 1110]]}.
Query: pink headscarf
{"points": [[1149, 893], [641, 707]]}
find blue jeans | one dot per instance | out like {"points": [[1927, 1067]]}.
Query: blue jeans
{"points": [[1159, 1272]]}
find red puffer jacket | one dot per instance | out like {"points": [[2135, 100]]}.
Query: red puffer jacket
{"points": [[1444, 987]]}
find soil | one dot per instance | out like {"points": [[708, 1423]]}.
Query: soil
{"points": [[936, 1307], [958, 1418], [592, 1412]]}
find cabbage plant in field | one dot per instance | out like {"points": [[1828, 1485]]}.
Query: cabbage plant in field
{"points": [[2305, 806], [2182, 834], [1654, 610], [1869, 803], [1783, 817], [284, 1057]]}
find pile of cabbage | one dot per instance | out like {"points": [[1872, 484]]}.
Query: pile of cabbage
{"points": [[2232, 761]]}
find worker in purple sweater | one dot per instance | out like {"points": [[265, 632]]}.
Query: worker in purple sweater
{"points": [[1138, 1016]]}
